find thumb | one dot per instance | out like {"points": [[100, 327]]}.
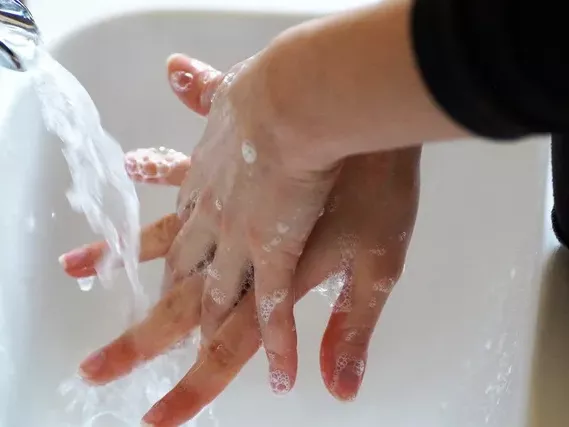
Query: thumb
{"points": [[193, 82]]}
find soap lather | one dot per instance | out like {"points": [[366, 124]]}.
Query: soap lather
{"points": [[19, 36]]}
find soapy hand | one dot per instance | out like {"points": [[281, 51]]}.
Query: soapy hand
{"points": [[247, 204], [363, 236]]}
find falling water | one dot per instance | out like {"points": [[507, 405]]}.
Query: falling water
{"points": [[101, 188], [103, 192]]}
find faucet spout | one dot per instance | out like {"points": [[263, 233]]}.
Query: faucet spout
{"points": [[19, 35]]}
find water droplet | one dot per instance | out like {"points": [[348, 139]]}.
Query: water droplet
{"points": [[218, 205], [86, 283]]}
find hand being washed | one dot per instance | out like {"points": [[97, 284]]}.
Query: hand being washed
{"points": [[363, 234]]}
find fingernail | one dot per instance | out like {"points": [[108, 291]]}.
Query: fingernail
{"points": [[181, 81], [92, 365], [74, 258], [154, 416], [348, 375], [279, 381]]}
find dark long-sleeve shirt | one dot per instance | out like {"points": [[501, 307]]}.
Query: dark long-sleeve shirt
{"points": [[500, 68]]}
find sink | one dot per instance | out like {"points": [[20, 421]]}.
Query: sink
{"points": [[457, 340]]}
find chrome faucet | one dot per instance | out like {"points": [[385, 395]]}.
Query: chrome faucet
{"points": [[19, 35]]}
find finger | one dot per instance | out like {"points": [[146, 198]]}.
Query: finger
{"points": [[344, 349], [233, 345], [170, 321], [218, 363], [193, 82], [275, 305], [191, 247], [155, 241], [222, 288], [157, 166]]}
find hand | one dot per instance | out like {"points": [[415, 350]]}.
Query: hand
{"points": [[247, 204], [363, 235]]}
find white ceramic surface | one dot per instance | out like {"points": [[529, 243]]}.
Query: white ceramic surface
{"points": [[456, 340]]}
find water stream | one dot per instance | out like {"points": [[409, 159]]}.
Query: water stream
{"points": [[101, 189], [103, 192]]}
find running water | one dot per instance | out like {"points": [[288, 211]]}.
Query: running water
{"points": [[101, 187], [103, 192]]}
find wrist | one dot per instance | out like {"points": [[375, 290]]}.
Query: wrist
{"points": [[348, 84]]}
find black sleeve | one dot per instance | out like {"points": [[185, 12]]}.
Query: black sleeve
{"points": [[498, 67]]}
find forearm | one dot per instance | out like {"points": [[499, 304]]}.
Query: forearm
{"points": [[353, 76], [407, 71]]}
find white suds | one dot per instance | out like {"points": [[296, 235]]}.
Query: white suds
{"points": [[344, 360], [344, 301], [282, 228], [276, 241], [351, 335], [181, 81], [152, 163], [269, 302], [249, 152], [279, 381], [218, 296], [385, 285], [213, 273], [379, 251]]}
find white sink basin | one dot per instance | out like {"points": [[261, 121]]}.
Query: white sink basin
{"points": [[456, 340]]}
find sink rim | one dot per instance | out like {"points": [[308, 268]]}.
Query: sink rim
{"points": [[56, 42]]}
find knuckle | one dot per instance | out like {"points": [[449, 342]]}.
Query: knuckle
{"points": [[220, 354]]}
